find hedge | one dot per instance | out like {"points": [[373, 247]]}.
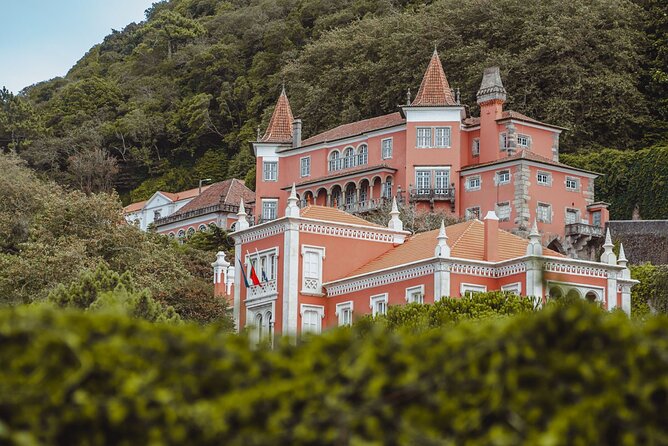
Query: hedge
{"points": [[568, 374]]}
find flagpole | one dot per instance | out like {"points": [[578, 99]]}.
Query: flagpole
{"points": [[260, 264]]}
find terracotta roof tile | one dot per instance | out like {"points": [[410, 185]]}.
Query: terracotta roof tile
{"points": [[434, 90], [508, 114], [174, 196], [134, 207], [334, 215], [356, 128], [465, 240], [280, 124], [225, 192]]}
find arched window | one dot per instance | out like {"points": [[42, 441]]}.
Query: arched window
{"points": [[182, 233], [350, 194], [556, 293], [202, 228], [258, 327], [171, 235], [349, 158], [191, 231], [591, 296], [334, 160], [234, 226], [363, 155]]}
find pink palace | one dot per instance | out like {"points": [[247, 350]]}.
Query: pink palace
{"points": [[321, 265]]}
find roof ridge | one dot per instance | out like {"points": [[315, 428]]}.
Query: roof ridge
{"points": [[464, 232], [232, 180]]}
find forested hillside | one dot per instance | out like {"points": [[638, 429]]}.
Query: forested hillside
{"points": [[177, 97]]}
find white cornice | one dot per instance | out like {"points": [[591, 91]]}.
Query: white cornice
{"points": [[537, 164]]}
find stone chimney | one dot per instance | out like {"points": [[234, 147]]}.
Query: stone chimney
{"points": [[242, 223], [220, 274], [395, 222], [292, 210], [491, 97], [296, 133], [491, 241]]}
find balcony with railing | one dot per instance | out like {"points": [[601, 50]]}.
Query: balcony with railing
{"points": [[358, 207], [265, 289], [228, 208], [432, 194], [583, 229]]}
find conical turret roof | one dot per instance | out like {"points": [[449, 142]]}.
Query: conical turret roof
{"points": [[434, 90], [280, 124]]}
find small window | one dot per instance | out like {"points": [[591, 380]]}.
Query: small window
{"points": [[349, 159], [172, 235], [473, 213], [503, 141], [475, 147], [596, 218], [415, 295], [442, 136], [181, 234], [515, 288], [312, 269], [544, 178], [468, 289], [269, 209], [544, 213], [503, 177], [386, 146], [473, 183], [344, 312], [156, 215], [191, 231], [572, 216], [572, 183], [335, 160], [270, 171], [379, 304], [423, 137], [202, 228], [523, 141], [503, 211], [312, 318], [305, 164], [386, 192], [363, 155]]}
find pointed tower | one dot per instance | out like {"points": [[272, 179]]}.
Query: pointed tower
{"points": [[491, 97], [434, 90], [279, 129]]}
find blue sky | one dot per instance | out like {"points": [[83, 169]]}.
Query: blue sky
{"points": [[42, 39]]}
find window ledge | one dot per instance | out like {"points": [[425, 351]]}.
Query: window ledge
{"points": [[312, 293]]}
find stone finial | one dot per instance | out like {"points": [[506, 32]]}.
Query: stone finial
{"points": [[221, 261], [242, 222], [621, 261], [293, 209], [395, 222], [442, 249], [608, 255], [534, 247], [491, 87]]}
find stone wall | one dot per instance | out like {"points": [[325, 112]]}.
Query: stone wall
{"points": [[644, 240]]}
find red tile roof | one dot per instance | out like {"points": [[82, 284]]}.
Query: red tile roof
{"points": [[334, 215], [225, 192], [356, 128], [528, 155], [134, 207], [508, 114], [466, 241], [434, 90], [173, 196], [280, 124]]}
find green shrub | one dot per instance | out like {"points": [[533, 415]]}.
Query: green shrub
{"points": [[565, 375]]}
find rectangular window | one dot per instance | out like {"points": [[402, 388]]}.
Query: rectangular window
{"points": [[473, 183], [475, 147], [441, 181], [544, 213], [572, 183], [503, 177], [423, 137], [312, 318], [270, 169], [473, 213], [572, 216], [468, 289], [344, 312], [596, 218], [386, 146], [442, 136], [312, 269], [503, 211], [503, 141], [264, 263], [386, 191], [269, 209], [515, 288], [544, 178], [415, 295], [523, 141], [379, 304], [305, 166], [423, 181]]}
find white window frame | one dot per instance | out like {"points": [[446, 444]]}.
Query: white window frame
{"points": [[498, 179], [319, 310], [305, 166], [472, 178], [266, 257], [362, 154], [411, 290], [421, 142], [503, 141], [549, 211], [342, 309], [375, 300], [573, 180], [386, 152], [475, 147], [269, 201], [266, 172], [334, 162], [349, 157], [548, 175], [465, 288], [521, 136], [498, 210], [469, 213], [443, 141], [515, 288], [312, 285]]}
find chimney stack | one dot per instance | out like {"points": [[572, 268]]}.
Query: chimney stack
{"points": [[491, 241], [296, 133], [491, 97]]}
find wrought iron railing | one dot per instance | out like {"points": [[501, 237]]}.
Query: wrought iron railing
{"points": [[197, 212], [584, 229], [445, 194]]}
